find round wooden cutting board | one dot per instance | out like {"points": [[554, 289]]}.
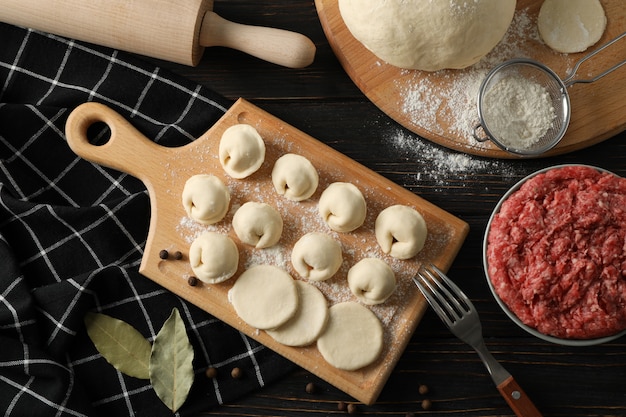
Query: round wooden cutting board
{"points": [[441, 106]]}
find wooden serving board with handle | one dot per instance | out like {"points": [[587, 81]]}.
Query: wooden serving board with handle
{"points": [[164, 171], [440, 106]]}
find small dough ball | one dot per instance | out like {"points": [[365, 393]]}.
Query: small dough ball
{"points": [[353, 337], [428, 35], [309, 322], [241, 151], [570, 26], [206, 198], [342, 206], [372, 281], [400, 231], [294, 177], [316, 256], [213, 257], [265, 297], [258, 224]]}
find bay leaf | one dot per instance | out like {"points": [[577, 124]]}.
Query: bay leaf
{"points": [[171, 368], [120, 344]]}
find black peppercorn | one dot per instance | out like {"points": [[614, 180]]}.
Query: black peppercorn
{"points": [[178, 255], [426, 404], [310, 388], [211, 372], [236, 373], [192, 281], [164, 254]]}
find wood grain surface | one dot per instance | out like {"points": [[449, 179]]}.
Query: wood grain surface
{"points": [[442, 113], [164, 171]]}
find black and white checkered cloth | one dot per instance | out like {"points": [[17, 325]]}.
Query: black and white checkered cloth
{"points": [[72, 235]]}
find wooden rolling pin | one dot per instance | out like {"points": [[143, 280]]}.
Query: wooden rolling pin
{"points": [[172, 30]]}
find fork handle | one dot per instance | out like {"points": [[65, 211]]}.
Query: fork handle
{"points": [[519, 402]]}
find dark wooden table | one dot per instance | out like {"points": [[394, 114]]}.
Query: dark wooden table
{"points": [[322, 101]]}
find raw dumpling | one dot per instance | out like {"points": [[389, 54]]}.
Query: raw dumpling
{"points": [[294, 177], [353, 337], [258, 224], [213, 257], [316, 256], [241, 151], [265, 297], [342, 206], [310, 320], [400, 231], [205, 198], [372, 281]]}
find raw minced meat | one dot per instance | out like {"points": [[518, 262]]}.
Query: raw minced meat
{"points": [[556, 253]]}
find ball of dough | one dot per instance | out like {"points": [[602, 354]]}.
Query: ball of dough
{"points": [[353, 337], [205, 198], [258, 224], [342, 206], [265, 297], [570, 26], [294, 177], [213, 257], [309, 322], [400, 231], [372, 281], [241, 151], [428, 35], [316, 256]]}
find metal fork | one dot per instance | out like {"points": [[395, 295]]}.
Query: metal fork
{"points": [[461, 317]]}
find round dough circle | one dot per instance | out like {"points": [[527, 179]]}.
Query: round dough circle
{"points": [[342, 206], [265, 297], [205, 198], [372, 281], [258, 224], [400, 231], [428, 35], [353, 337], [316, 256], [570, 26], [310, 320], [294, 177], [241, 150], [213, 257]]}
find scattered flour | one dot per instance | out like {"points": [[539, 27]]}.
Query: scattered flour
{"points": [[446, 165], [444, 102]]}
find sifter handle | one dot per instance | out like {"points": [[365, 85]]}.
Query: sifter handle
{"points": [[278, 46]]}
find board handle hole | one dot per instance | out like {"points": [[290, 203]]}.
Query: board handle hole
{"points": [[242, 117], [98, 133]]}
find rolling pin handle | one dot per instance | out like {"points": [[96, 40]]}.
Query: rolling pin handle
{"points": [[278, 46], [124, 145]]}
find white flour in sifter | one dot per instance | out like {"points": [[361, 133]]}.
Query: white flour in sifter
{"points": [[517, 112]]}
